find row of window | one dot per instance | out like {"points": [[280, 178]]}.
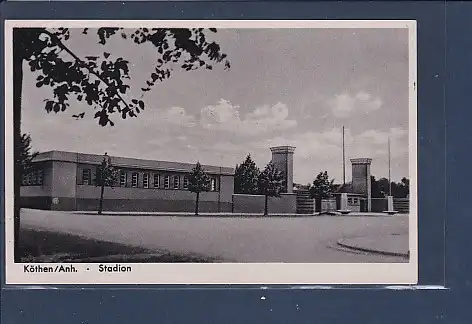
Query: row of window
{"points": [[145, 183], [34, 178], [353, 201]]}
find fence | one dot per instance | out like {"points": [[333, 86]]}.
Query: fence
{"points": [[328, 205], [401, 205], [304, 202], [248, 204], [378, 205]]}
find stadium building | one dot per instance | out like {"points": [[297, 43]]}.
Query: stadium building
{"points": [[66, 181]]}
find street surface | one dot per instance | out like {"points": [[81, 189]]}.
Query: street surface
{"points": [[234, 239]]}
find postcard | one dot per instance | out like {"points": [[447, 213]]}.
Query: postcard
{"points": [[211, 152]]}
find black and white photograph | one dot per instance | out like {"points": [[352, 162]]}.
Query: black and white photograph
{"points": [[151, 152]]}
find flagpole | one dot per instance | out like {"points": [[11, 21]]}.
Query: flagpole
{"points": [[389, 170], [344, 161]]}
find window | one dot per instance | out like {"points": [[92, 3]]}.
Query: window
{"points": [[349, 200], [28, 179], [355, 201], [156, 180], [123, 178], [185, 182], [33, 178], [86, 177], [146, 180], [39, 177], [213, 184], [176, 182], [134, 180], [166, 182]]}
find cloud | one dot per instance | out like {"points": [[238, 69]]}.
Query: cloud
{"points": [[176, 116], [226, 117], [222, 113], [381, 137], [344, 105]]}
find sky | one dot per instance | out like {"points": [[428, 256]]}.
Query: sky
{"points": [[285, 87]]}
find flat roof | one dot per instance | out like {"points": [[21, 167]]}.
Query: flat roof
{"points": [[125, 162]]}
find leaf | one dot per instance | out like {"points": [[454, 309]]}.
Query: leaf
{"points": [[135, 101], [56, 107], [49, 105], [212, 30], [141, 104], [106, 54]]}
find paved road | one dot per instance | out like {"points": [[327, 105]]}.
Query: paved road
{"points": [[273, 239]]}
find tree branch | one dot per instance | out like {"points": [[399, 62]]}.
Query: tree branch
{"points": [[82, 63]]}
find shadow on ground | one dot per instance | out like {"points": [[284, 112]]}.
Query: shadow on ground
{"points": [[39, 246]]}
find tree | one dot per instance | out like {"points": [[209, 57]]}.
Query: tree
{"points": [[23, 157], [322, 187], [401, 189], [384, 187], [106, 176], [198, 181], [101, 80], [270, 183], [375, 188], [405, 185], [380, 188], [26, 155], [246, 176]]}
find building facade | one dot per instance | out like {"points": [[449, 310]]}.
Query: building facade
{"points": [[66, 181]]}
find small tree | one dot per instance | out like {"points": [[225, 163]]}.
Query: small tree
{"points": [[322, 187], [384, 187], [246, 176], [405, 187], [270, 183], [26, 155], [106, 177], [376, 191], [198, 181]]}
